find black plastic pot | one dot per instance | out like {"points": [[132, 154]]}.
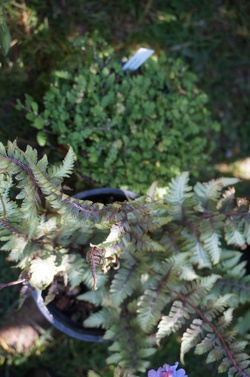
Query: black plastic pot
{"points": [[106, 195], [61, 322], [57, 318]]}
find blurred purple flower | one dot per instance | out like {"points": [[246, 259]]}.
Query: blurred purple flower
{"points": [[167, 371]]}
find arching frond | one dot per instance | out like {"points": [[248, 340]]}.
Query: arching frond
{"points": [[191, 337], [179, 196], [234, 232], [192, 242], [211, 235], [207, 194], [240, 287], [128, 351], [103, 318], [124, 283], [174, 321], [150, 307], [65, 169]]}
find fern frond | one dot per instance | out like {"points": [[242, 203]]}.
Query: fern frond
{"points": [[158, 295], [42, 164], [214, 307], [207, 344], [104, 318], [246, 225], [225, 337], [234, 232], [191, 337], [124, 283], [143, 242], [192, 242], [65, 169], [227, 199], [16, 247], [9, 212], [115, 235], [230, 259], [210, 236], [61, 202], [13, 162], [197, 289], [233, 372], [181, 311], [225, 320], [76, 269], [216, 354], [173, 322], [171, 239], [31, 153], [240, 369], [240, 287], [128, 351], [179, 196], [150, 307], [188, 273], [207, 194], [97, 298], [154, 221]]}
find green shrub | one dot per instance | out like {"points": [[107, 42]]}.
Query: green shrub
{"points": [[126, 127]]}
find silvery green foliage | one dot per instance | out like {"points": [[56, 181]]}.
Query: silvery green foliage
{"points": [[125, 127], [174, 264]]}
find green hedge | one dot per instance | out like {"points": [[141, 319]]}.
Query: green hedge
{"points": [[127, 129]]}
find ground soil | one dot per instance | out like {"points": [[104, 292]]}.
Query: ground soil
{"points": [[20, 331]]}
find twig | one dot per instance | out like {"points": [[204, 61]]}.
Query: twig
{"points": [[10, 284]]}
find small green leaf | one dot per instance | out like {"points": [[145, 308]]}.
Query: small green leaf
{"points": [[41, 138], [39, 123], [34, 106], [31, 117], [19, 105]]}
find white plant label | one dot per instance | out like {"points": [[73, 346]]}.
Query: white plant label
{"points": [[137, 59]]}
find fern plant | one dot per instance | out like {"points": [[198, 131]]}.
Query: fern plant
{"points": [[125, 127], [156, 266]]}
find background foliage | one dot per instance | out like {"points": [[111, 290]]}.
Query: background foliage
{"points": [[125, 127], [212, 38]]}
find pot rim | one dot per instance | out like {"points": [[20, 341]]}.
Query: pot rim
{"points": [[80, 334], [105, 191]]}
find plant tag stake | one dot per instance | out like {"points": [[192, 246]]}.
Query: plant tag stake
{"points": [[137, 59]]}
